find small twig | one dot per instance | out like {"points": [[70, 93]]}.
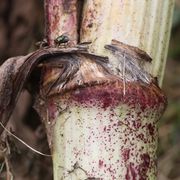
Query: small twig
{"points": [[20, 140], [76, 166], [9, 174], [2, 166]]}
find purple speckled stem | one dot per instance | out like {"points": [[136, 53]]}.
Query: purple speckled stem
{"points": [[61, 18], [105, 135]]}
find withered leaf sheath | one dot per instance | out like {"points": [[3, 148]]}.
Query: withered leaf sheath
{"points": [[16, 71]]}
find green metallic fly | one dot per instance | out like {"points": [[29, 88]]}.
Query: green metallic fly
{"points": [[62, 39]]}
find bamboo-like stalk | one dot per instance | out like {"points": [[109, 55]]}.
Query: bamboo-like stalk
{"points": [[97, 138], [102, 120], [61, 18], [144, 24], [94, 129]]}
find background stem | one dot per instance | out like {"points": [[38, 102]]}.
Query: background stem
{"points": [[61, 18]]}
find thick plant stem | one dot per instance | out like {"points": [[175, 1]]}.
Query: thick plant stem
{"points": [[61, 18], [98, 136], [145, 24], [95, 128], [102, 119]]}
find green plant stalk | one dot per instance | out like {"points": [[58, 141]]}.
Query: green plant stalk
{"points": [[140, 23], [109, 131]]}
